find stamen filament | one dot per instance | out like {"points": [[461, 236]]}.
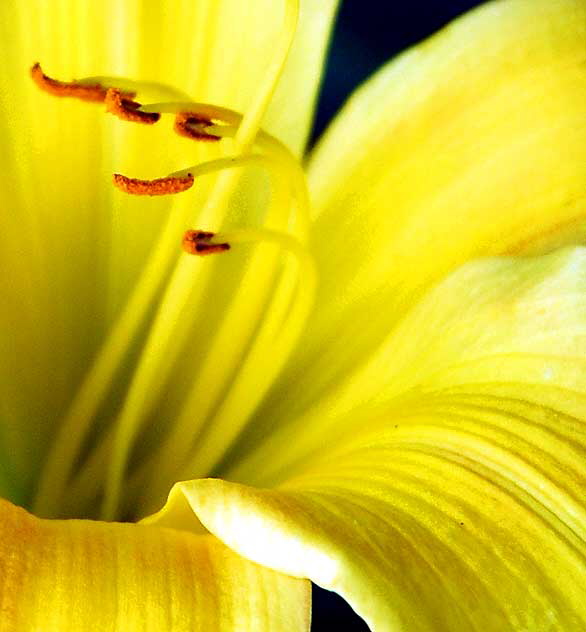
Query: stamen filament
{"points": [[173, 302], [229, 162], [76, 423], [182, 283], [233, 332], [130, 88], [205, 110], [253, 117], [274, 147], [282, 322], [264, 142], [229, 343], [280, 330]]}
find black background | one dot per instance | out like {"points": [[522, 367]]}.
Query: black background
{"points": [[368, 33]]}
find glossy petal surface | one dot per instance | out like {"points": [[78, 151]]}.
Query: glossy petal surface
{"points": [[82, 576], [473, 143], [451, 497]]}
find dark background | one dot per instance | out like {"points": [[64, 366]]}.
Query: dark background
{"points": [[368, 33]]}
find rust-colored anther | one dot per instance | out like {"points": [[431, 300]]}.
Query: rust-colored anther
{"points": [[126, 109], [184, 126], [161, 186], [197, 242], [86, 92]]}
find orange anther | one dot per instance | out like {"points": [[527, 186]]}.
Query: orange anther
{"points": [[86, 92], [160, 186], [192, 125], [126, 109], [197, 242]]}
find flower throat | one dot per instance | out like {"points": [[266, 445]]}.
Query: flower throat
{"points": [[274, 298]]}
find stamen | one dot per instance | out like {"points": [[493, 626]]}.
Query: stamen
{"points": [[193, 125], [95, 92], [131, 87], [211, 434], [230, 123], [111, 356], [182, 180], [199, 242], [205, 111], [128, 110], [160, 186]]}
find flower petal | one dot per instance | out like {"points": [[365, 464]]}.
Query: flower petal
{"points": [[471, 144], [444, 490], [82, 575]]}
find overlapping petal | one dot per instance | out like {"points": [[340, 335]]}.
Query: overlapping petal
{"points": [[81, 575], [451, 495], [471, 144], [432, 473]]}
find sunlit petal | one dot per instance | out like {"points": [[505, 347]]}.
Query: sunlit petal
{"points": [[473, 143], [83, 576], [449, 495]]}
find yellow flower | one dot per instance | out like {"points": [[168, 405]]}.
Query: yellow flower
{"points": [[411, 434]]}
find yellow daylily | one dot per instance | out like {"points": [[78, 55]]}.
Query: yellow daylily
{"points": [[409, 433]]}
